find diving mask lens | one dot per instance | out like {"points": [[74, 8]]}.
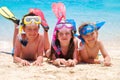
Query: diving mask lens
{"points": [[68, 25], [31, 19], [61, 25], [87, 29]]}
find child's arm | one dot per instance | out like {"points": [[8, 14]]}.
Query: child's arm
{"points": [[17, 53], [46, 41], [74, 61], [48, 53], [15, 34], [39, 54], [76, 52], [39, 60], [107, 59], [76, 57]]}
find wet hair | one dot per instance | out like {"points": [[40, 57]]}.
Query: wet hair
{"points": [[70, 51]]}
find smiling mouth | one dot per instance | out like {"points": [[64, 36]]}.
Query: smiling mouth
{"points": [[91, 39], [64, 39]]}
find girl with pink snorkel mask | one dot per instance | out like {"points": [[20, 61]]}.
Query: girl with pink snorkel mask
{"points": [[64, 46]]}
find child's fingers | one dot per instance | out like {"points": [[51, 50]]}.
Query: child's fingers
{"points": [[107, 63], [57, 62], [71, 63], [25, 63], [37, 63]]}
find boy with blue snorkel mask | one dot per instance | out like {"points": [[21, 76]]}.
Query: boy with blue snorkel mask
{"points": [[91, 45], [33, 44]]}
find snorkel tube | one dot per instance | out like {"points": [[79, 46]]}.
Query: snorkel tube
{"points": [[60, 13]]}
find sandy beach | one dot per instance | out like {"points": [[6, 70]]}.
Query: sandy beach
{"points": [[12, 71]]}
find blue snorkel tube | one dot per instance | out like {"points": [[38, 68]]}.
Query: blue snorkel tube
{"points": [[99, 25]]}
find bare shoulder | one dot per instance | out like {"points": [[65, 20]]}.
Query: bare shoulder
{"points": [[100, 43]]}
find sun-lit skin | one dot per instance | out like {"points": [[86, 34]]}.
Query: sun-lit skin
{"points": [[91, 48], [91, 38], [31, 31], [33, 50], [64, 36]]}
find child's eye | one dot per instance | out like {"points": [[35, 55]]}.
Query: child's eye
{"points": [[29, 29], [67, 33], [92, 33], [61, 34], [87, 36], [35, 29]]}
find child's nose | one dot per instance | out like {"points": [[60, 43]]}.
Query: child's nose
{"points": [[64, 35]]}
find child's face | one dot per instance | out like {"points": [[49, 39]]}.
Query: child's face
{"points": [[64, 36], [31, 31], [91, 37]]}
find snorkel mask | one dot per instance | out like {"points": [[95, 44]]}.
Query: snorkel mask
{"points": [[73, 23], [89, 28], [28, 20], [69, 24], [32, 19], [61, 25]]}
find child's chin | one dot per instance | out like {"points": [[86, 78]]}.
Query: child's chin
{"points": [[32, 37]]}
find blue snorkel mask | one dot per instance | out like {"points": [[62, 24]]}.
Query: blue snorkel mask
{"points": [[71, 21], [89, 28]]}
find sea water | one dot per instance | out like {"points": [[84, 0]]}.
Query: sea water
{"points": [[79, 10]]}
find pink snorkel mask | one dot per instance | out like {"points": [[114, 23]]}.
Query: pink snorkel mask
{"points": [[59, 10], [63, 24], [60, 24]]}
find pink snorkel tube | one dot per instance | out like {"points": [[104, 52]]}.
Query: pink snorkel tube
{"points": [[54, 38], [59, 11]]}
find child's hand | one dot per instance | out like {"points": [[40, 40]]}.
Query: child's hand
{"points": [[37, 63], [59, 62], [107, 63], [70, 63], [25, 63]]}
